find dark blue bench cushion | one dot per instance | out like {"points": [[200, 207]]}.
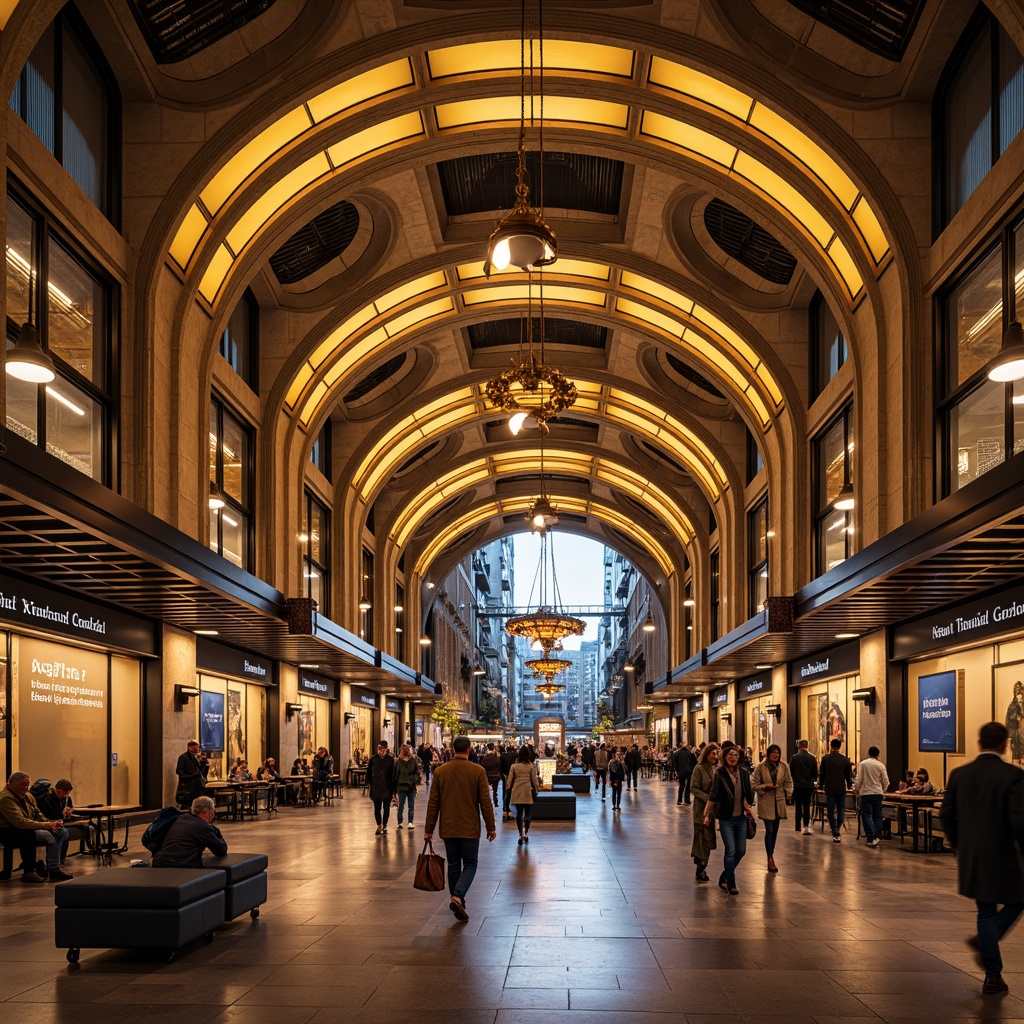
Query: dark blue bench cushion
{"points": [[151, 888], [238, 866]]}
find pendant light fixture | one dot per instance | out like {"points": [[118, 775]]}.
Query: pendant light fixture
{"points": [[26, 360], [1008, 365]]}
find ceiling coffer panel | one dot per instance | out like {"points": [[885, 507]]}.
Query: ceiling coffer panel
{"points": [[323, 239], [512, 332]]}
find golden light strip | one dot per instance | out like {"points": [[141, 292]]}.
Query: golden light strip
{"points": [[573, 505], [6, 10], [421, 506], [504, 56]]}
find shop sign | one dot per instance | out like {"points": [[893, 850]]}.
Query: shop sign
{"points": [[365, 698], [317, 687], [938, 704], [757, 686], [696, 703], [230, 661], [987, 617], [393, 705], [25, 604], [719, 697], [837, 661]]}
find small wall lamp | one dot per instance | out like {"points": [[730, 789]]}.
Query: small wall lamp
{"points": [[350, 716], [774, 709], [867, 695], [725, 716], [182, 695], [702, 721], [290, 710]]}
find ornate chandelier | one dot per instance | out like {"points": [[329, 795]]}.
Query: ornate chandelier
{"points": [[549, 689]]}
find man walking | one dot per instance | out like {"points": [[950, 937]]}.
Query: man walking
{"points": [[460, 794], [683, 762], [380, 781], [982, 815], [872, 782], [836, 777], [803, 766], [601, 758], [632, 760]]}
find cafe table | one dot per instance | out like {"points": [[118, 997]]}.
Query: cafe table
{"points": [[918, 806], [103, 815], [302, 783]]}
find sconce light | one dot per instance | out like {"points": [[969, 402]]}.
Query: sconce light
{"points": [[424, 640], [290, 710], [364, 604], [774, 709], [478, 670], [866, 694], [725, 716], [387, 723], [350, 716], [182, 695], [649, 626], [702, 721]]}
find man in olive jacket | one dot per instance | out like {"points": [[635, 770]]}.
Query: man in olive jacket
{"points": [[982, 815], [460, 794], [22, 824]]}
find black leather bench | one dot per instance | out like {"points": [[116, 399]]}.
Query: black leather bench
{"points": [[554, 805], [579, 783], [245, 883], [131, 908]]}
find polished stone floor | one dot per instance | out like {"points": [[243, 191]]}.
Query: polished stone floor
{"points": [[594, 921]]}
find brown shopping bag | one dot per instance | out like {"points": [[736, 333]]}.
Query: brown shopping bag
{"points": [[429, 870]]}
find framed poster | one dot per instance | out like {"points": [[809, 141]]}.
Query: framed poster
{"points": [[1010, 707], [211, 721], [937, 710]]}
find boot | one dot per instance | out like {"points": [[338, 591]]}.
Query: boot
{"points": [[771, 864]]}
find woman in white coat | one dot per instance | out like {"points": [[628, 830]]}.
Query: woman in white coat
{"points": [[523, 783], [773, 785]]}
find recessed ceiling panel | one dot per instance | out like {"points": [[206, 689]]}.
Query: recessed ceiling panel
{"points": [[323, 239], [511, 332], [881, 26], [744, 240], [174, 31]]}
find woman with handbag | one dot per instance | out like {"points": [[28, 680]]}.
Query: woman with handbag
{"points": [[523, 785], [773, 784], [731, 800], [704, 840]]}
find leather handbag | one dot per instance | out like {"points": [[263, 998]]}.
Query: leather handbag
{"points": [[751, 826], [429, 870]]}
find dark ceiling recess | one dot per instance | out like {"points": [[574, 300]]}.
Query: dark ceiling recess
{"points": [[418, 457], [376, 378], [572, 181], [177, 30], [662, 456], [687, 372], [499, 333], [323, 239], [881, 26], [569, 421], [735, 233]]}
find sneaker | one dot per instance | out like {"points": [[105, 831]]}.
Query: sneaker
{"points": [[398, 827], [836, 839], [807, 830], [875, 842], [410, 826]]}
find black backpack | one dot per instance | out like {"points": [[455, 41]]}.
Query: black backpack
{"points": [[154, 836], [40, 788]]}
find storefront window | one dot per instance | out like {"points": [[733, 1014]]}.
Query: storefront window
{"points": [[314, 725], [825, 715], [242, 732], [360, 728], [760, 727]]}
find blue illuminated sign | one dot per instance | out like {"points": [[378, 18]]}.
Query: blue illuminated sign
{"points": [[937, 710]]}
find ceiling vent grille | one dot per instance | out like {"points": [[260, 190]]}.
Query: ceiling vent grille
{"points": [[882, 26], [323, 239], [736, 234], [175, 31]]}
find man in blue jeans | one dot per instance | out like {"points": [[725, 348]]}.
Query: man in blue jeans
{"points": [[872, 782], [460, 794], [982, 815], [835, 776]]}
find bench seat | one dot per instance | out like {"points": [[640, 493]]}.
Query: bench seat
{"points": [[579, 783], [556, 805], [245, 885]]}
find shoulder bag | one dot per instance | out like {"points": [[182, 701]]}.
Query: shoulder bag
{"points": [[429, 874], [751, 826]]}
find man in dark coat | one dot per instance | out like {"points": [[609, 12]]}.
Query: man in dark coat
{"points": [[803, 766], [982, 815], [189, 836], [836, 777], [683, 762], [191, 771], [380, 781]]}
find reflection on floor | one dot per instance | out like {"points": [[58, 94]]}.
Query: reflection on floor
{"points": [[599, 920]]}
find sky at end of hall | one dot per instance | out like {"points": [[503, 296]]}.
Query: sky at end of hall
{"points": [[578, 569]]}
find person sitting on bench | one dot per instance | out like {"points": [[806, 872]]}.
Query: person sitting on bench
{"points": [[189, 836], [22, 824], [55, 802]]}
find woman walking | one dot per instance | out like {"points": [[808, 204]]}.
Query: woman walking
{"points": [[700, 786], [773, 785], [616, 776], [731, 800], [407, 778], [523, 783]]}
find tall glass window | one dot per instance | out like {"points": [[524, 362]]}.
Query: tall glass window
{"points": [[983, 421], [757, 556], [979, 111], [714, 604], [316, 558], [320, 453], [755, 460], [828, 345], [231, 478], [399, 622], [833, 471], [68, 97], [72, 416], [366, 596], [239, 340]]}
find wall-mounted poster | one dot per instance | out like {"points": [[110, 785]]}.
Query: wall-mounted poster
{"points": [[1010, 707], [211, 721], [236, 734], [937, 713]]}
